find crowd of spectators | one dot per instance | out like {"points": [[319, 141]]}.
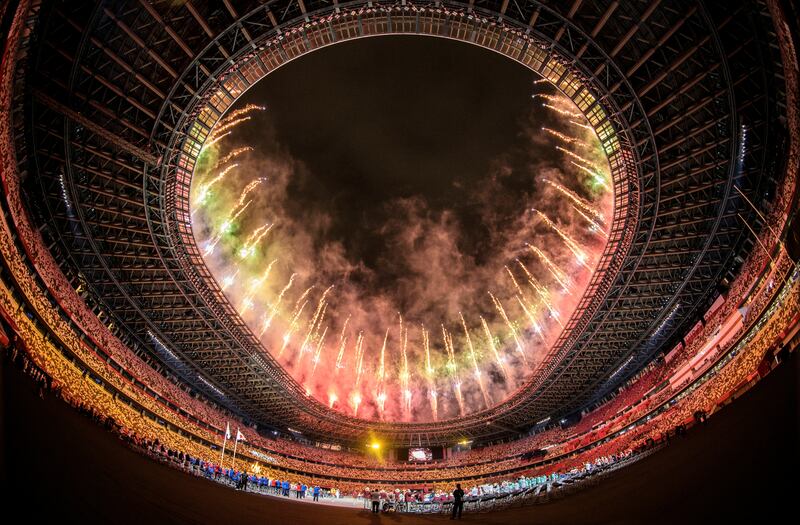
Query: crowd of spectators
{"points": [[64, 345]]}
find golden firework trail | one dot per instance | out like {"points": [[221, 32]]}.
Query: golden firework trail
{"points": [[541, 81], [274, 310], [382, 362], [242, 112], [433, 395], [565, 138], [562, 111], [552, 98], [576, 250], [205, 188], [380, 396], [247, 303], [582, 125], [314, 326], [355, 397], [229, 279], [544, 294], [497, 357], [597, 177], [214, 140], [474, 358], [577, 157], [226, 225], [256, 232], [451, 364], [318, 351], [316, 320], [342, 345], [250, 187], [531, 317], [256, 283], [232, 155], [381, 401], [514, 280], [220, 176], [228, 126], [511, 328], [554, 270], [359, 351], [571, 195], [595, 228], [292, 326], [254, 239], [332, 398], [210, 245], [404, 373], [426, 343]]}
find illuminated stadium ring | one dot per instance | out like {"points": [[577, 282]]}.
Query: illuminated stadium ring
{"points": [[540, 55], [681, 249]]}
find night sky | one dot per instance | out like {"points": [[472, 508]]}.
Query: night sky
{"points": [[382, 119]]}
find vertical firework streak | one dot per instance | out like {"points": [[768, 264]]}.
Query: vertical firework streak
{"points": [[596, 176], [511, 328], [554, 270], [229, 279], [226, 225], [577, 200], [232, 120], [232, 155], [595, 169], [474, 358], [380, 396], [551, 98], [228, 126], [453, 367], [531, 317], [318, 352], [497, 357], [205, 188], [565, 138], [433, 395], [274, 309], [252, 185], [242, 112], [514, 281], [576, 250], [313, 326], [248, 299], [543, 293], [248, 248], [355, 397], [404, 375], [342, 346], [595, 228], [293, 324], [584, 126], [564, 112], [214, 140]]}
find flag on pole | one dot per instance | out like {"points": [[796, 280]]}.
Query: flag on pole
{"points": [[224, 442], [236, 444]]}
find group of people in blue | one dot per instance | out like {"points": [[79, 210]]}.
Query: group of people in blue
{"points": [[241, 480]]}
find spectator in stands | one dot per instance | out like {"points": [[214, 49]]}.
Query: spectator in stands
{"points": [[458, 502]]}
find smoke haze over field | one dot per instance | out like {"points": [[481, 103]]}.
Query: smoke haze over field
{"points": [[404, 174]]}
